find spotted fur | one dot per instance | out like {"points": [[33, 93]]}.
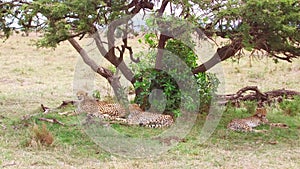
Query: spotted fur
{"points": [[247, 124], [149, 119], [114, 111]]}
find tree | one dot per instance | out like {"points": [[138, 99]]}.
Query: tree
{"points": [[271, 26]]}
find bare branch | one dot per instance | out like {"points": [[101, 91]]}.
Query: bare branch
{"points": [[101, 70], [162, 8], [281, 58], [52, 120], [222, 54], [257, 95], [161, 45], [125, 46], [110, 55], [143, 4]]}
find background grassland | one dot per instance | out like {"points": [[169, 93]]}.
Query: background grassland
{"points": [[30, 77]]}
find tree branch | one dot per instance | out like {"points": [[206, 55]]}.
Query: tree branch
{"points": [[162, 8], [114, 81], [166, 33], [222, 54], [112, 58], [100, 70], [125, 46], [143, 4]]}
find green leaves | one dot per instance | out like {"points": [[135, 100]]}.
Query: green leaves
{"points": [[260, 24], [150, 79], [182, 51], [151, 40], [257, 23]]}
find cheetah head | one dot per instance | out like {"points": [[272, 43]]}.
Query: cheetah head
{"points": [[261, 113], [81, 95]]}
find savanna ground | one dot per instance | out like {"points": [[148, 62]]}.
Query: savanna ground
{"points": [[31, 76]]}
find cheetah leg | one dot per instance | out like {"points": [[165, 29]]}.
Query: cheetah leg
{"points": [[121, 119], [73, 113], [279, 125], [259, 131]]}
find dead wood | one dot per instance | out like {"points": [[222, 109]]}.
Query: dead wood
{"points": [[9, 165], [52, 120], [45, 109], [252, 93], [3, 126], [63, 104], [66, 103]]}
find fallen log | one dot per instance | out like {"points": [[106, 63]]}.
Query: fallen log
{"points": [[256, 95], [62, 105]]}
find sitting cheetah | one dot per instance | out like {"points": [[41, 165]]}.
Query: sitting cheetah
{"points": [[100, 109], [247, 124], [113, 111]]}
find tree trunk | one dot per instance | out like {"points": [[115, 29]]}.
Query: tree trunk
{"points": [[160, 52]]}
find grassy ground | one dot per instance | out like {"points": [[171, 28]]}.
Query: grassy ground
{"points": [[30, 77]]}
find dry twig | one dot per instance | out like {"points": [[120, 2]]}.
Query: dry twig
{"points": [[55, 121]]}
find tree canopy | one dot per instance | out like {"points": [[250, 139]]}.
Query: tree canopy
{"points": [[271, 26]]}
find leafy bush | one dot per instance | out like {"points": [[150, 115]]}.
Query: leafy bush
{"points": [[150, 79], [159, 80]]}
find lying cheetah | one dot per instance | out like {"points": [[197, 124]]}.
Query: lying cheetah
{"points": [[247, 124], [113, 111], [149, 119]]}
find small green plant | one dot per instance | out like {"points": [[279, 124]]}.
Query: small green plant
{"points": [[112, 68], [250, 106], [177, 113], [291, 107], [207, 86], [97, 94]]}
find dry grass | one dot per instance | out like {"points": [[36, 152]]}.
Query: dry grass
{"points": [[31, 76]]}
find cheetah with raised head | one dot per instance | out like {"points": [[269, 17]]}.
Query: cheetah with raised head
{"points": [[113, 111], [247, 124], [100, 109]]}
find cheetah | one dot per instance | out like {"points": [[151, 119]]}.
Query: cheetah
{"points": [[100, 109], [149, 119], [113, 111], [247, 124]]}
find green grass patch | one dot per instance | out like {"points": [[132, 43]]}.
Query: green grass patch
{"points": [[230, 140], [75, 135], [138, 132], [291, 107], [71, 137]]}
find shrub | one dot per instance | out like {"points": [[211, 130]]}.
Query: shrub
{"points": [[41, 136], [167, 80], [291, 107]]}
